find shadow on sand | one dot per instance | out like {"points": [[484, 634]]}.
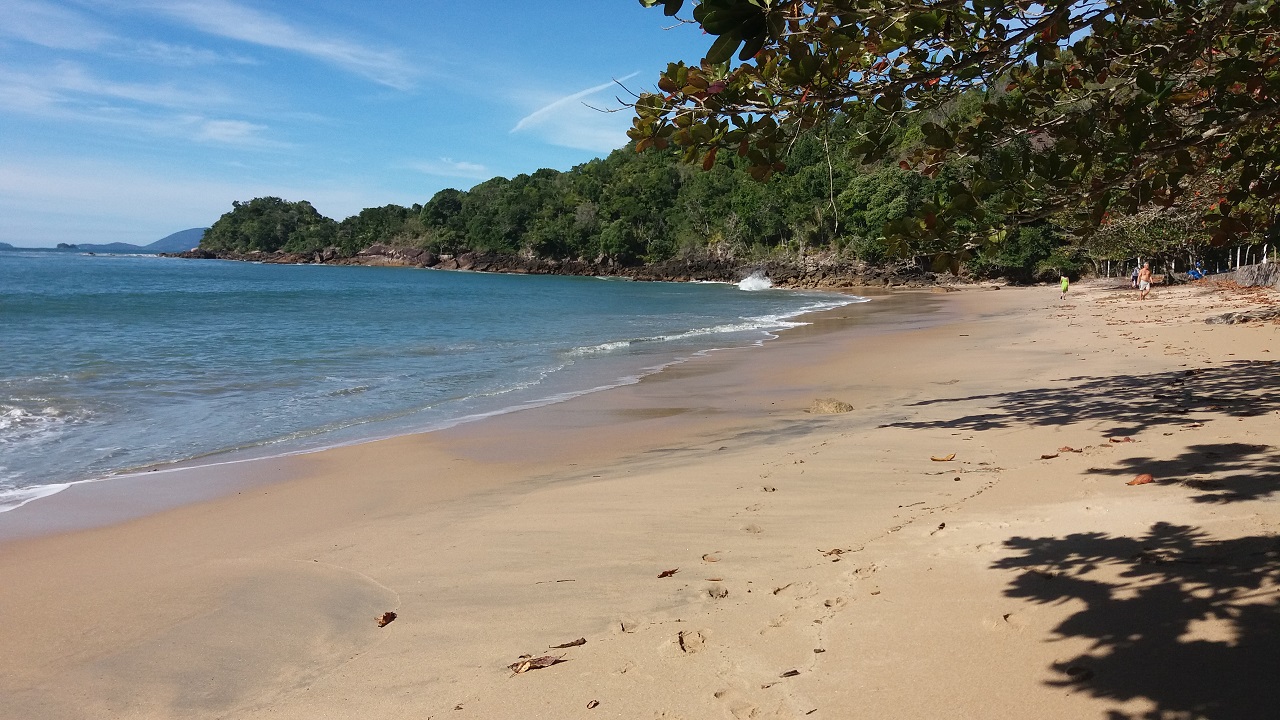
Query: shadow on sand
{"points": [[1187, 622], [1132, 402]]}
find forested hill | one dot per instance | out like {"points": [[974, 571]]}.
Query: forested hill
{"points": [[632, 208]]}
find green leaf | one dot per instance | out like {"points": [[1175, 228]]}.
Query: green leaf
{"points": [[722, 49]]}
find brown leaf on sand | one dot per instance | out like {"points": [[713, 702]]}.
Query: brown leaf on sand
{"points": [[385, 619], [593, 704], [1068, 448], [790, 673], [832, 551], [1121, 440], [943, 458], [668, 573], [523, 666], [1142, 479], [1048, 456], [573, 643]]}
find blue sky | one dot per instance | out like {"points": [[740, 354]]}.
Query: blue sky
{"points": [[126, 120]]}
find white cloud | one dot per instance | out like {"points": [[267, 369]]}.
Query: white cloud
{"points": [[447, 167], [70, 93], [236, 22], [50, 26], [569, 122], [230, 131], [161, 53]]}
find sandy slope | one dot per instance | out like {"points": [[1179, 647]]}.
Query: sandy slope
{"points": [[827, 566]]}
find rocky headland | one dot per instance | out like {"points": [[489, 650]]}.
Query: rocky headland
{"points": [[823, 270]]}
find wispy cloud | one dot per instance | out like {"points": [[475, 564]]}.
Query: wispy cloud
{"points": [[447, 167], [184, 56], [49, 25], [568, 102], [569, 122], [229, 20], [70, 93]]}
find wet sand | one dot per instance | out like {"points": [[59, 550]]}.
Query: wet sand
{"points": [[826, 565]]}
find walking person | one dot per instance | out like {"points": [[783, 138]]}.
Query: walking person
{"points": [[1065, 285], [1144, 281]]}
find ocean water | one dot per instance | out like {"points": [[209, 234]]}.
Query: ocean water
{"points": [[111, 363]]}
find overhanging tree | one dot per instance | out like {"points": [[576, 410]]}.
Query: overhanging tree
{"points": [[1119, 101]]}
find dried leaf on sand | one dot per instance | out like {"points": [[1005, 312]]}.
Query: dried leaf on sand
{"points": [[943, 458], [525, 665], [385, 619], [1048, 456], [571, 643], [1142, 479]]}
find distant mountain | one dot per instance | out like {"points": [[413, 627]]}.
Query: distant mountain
{"points": [[177, 242], [180, 241]]}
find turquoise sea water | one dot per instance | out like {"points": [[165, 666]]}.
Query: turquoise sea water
{"points": [[112, 362]]}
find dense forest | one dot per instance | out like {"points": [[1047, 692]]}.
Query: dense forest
{"points": [[633, 208]]}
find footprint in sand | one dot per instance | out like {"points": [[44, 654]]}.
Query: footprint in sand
{"points": [[691, 642], [753, 529], [716, 591]]}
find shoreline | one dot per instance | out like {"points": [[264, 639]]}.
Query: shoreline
{"points": [[594, 368], [721, 552], [135, 493]]}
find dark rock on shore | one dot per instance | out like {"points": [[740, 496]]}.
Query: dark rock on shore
{"points": [[810, 271]]}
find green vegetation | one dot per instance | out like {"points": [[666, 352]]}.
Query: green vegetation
{"points": [[1002, 137], [1126, 102]]}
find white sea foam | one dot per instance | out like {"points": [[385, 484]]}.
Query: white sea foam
{"points": [[755, 282], [14, 499], [16, 422]]}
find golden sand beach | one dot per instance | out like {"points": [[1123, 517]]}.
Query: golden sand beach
{"points": [[964, 543]]}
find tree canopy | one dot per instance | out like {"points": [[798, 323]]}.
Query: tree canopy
{"points": [[1078, 107]]}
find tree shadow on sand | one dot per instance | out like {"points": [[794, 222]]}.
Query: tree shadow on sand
{"points": [[1132, 402], [1189, 623]]}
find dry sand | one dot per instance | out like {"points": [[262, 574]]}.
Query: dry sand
{"points": [[825, 564]]}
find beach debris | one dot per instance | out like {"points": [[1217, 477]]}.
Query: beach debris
{"points": [[943, 458], [829, 406], [715, 579], [1142, 479], [769, 488], [593, 704], [710, 557], [545, 582], [571, 643], [385, 619], [832, 551], [939, 529], [790, 673], [1068, 448], [818, 651], [780, 589], [668, 573], [1048, 456], [1196, 425], [1121, 440], [526, 663], [717, 592], [915, 503]]}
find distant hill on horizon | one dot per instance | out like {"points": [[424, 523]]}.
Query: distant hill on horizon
{"points": [[180, 241]]}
